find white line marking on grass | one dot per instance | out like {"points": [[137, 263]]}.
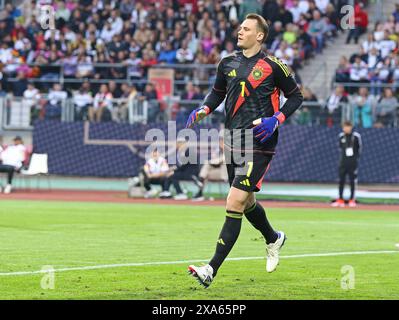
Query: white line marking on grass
{"points": [[141, 264]]}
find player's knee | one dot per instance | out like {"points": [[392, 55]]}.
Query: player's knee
{"points": [[235, 204]]}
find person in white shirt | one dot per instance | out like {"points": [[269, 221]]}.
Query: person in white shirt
{"points": [[31, 101], [102, 101], [117, 22], [155, 171], [322, 5], [55, 97], [296, 10], [184, 54], [12, 160], [107, 32], [386, 46], [82, 101], [358, 72]]}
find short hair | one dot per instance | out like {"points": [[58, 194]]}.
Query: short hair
{"points": [[347, 123], [262, 24]]}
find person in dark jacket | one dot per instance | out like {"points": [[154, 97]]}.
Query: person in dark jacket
{"points": [[350, 144]]}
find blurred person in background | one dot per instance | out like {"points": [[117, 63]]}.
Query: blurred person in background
{"points": [[102, 103], [12, 160], [334, 105], [56, 99], [83, 100], [386, 108], [350, 145], [155, 171], [31, 100], [362, 104]]}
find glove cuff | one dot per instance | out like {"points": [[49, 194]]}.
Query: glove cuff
{"points": [[280, 117], [206, 109]]}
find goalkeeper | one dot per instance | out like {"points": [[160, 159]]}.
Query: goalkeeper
{"points": [[250, 80]]}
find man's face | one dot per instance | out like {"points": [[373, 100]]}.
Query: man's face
{"points": [[347, 129], [248, 34]]}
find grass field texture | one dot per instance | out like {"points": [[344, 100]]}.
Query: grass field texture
{"points": [[104, 237]]}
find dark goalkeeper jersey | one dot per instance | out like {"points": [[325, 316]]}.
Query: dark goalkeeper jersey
{"points": [[252, 88]]}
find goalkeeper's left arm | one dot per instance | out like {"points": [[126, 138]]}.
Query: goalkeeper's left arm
{"points": [[212, 100]]}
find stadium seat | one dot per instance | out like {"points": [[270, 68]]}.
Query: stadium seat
{"points": [[38, 165]]}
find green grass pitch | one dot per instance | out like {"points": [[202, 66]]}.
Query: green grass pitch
{"points": [[67, 235]]}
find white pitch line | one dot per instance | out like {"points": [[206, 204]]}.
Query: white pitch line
{"points": [[140, 264]]}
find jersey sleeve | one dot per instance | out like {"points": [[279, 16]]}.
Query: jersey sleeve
{"points": [[283, 78], [220, 81], [218, 92]]}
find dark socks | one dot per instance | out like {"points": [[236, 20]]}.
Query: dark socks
{"points": [[257, 217], [227, 238]]}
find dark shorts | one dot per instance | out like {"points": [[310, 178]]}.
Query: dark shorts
{"points": [[247, 175]]}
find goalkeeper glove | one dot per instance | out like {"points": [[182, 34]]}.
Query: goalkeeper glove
{"points": [[197, 115], [265, 127]]}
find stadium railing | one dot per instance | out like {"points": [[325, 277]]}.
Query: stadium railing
{"points": [[202, 74], [19, 113]]}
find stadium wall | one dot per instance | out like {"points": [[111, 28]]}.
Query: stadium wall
{"points": [[304, 154]]}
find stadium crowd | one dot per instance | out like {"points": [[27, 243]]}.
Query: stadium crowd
{"points": [[102, 49], [369, 79]]}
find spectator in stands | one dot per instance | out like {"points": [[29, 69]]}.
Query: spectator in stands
{"points": [[184, 54], [308, 111], [306, 44], [362, 104], [133, 64], [147, 61], [270, 11], [101, 71], [249, 6], [284, 15], [12, 160], [83, 100], [20, 85], [358, 73], [395, 72], [396, 13], [334, 106], [31, 101], [151, 96], [322, 5], [333, 20], [56, 99], [361, 23], [121, 107], [114, 89], [102, 105], [167, 54], [370, 43], [317, 30], [286, 54], [84, 67], [387, 45], [381, 74], [386, 108], [142, 34], [296, 11], [107, 32]]}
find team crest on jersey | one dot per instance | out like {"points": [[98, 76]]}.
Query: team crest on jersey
{"points": [[257, 72]]}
